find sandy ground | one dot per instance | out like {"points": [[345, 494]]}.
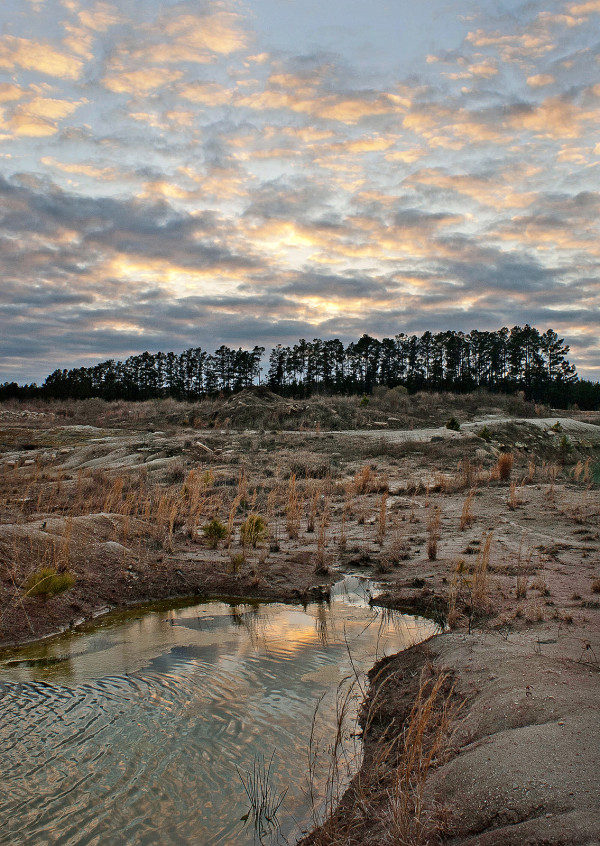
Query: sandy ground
{"points": [[515, 569]]}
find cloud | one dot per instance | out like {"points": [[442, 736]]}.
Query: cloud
{"points": [[38, 56], [100, 17], [538, 80], [555, 117], [39, 117], [140, 82], [210, 180], [587, 8]]}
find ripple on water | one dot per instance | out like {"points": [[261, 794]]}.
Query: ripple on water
{"points": [[136, 735]]}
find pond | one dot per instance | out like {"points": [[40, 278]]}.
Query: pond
{"points": [[143, 729]]}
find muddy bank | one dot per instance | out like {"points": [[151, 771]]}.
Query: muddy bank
{"points": [[518, 764], [110, 584]]}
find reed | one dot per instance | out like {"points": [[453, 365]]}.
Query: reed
{"points": [[293, 509], [433, 532], [467, 517], [382, 518]]}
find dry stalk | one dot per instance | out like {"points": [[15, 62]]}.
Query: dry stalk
{"points": [[343, 538], [480, 587], [467, 517], [505, 466], [363, 480], [381, 524], [321, 565], [293, 509], [530, 472], [433, 532], [231, 517], [513, 500], [312, 512]]}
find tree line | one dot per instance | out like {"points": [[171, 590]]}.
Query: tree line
{"points": [[506, 360]]}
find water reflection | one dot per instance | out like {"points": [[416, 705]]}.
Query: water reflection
{"points": [[132, 732]]}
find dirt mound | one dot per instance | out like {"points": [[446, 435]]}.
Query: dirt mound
{"points": [[255, 407]]}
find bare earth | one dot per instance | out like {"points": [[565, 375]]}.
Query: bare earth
{"points": [[121, 508]]}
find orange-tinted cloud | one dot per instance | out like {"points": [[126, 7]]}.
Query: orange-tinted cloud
{"points": [[140, 82], [538, 80], [38, 56], [555, 118], [39, 117]]}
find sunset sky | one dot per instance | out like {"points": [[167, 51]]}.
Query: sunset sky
{"points": [[178, 174]]}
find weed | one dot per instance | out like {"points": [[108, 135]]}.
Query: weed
{"points": [[381, 526], [467, 517], [433, 532], [312, 513], [253, 530], [264, 800], [485, 434], [321, 565], [453, 424], [513, 501], [293, 509], [214, 532], [236, 560], [46, 582], [504, 466]]}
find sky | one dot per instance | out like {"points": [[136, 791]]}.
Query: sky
{"points": [[241, 172]]}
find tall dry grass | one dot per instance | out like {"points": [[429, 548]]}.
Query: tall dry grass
{"points": [[434, 522], [385, 802]]}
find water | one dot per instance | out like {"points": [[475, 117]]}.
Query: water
{"points": [[135, 732]]}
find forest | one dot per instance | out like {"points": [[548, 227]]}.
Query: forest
{"points": [[506, 360]]}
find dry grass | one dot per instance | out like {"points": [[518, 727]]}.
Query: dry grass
{"points": [[513, 500], [293, 509], [504, 466], [433, 532], [382, 518], [467, 517], [392, 785]]}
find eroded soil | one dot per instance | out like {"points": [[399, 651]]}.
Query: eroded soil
{"points": [[509, 557]]}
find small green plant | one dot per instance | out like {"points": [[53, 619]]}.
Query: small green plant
{"points": [[236, 561], [47, 582], [214, 532], [364, 400], [556, 427], [485, 434], [253, 530], [453, 424], [565, 446]]}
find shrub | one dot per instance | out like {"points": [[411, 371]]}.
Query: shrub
{"points": [[485, 434], [214, 532], [47, 582], [253, 530], [453, 424], [565, 446]]}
